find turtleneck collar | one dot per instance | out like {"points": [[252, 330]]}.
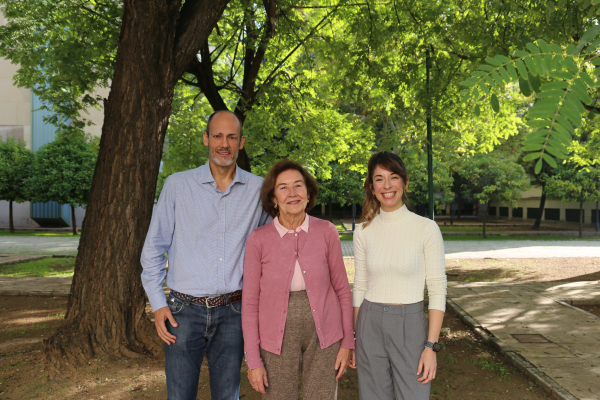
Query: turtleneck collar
{"points": [[394, 216]]}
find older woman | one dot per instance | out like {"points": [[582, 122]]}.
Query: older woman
{"points": [[296, 303]]}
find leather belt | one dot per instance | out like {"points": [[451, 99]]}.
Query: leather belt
{"points": [[209, 302]]}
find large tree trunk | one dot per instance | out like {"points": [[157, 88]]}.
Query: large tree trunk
{"points": [[538, 219], [11, 225], [581, 219], [105, 314], [73, 221]]}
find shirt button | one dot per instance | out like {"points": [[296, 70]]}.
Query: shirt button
{"points": [[385, 308], [220, 238], [221, 217], [220, 259]]}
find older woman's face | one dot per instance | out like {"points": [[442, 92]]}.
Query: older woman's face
{"points": [[291, 195]]}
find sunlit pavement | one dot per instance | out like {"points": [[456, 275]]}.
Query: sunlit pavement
{"points": [[566, 340], [511, 249]]}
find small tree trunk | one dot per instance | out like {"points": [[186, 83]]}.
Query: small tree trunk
{"points": [[581, 219], [538, 219], [73, 220], [11, 224], [485, 215], [330, 211]]}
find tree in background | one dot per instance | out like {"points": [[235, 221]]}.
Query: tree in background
{"points": [[15, 168], [62, 171], [346, 186], [418, 189], [574, 183], [491, 177], [540, 179]]}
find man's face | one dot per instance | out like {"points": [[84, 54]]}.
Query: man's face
{"points": [[224, 139]]}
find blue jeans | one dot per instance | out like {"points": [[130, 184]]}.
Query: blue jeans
{"points": [[216, 331]]}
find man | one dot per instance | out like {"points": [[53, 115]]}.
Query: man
{"points": [[201, 221]]}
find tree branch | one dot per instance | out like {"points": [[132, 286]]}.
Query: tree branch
{"points": [[193, 30]]}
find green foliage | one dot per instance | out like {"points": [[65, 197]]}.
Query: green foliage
{"points": [[62, 171], [65, 50], [416, 164], [344, 187], [572, 183], [491, 177], [558, 78], [15, 168]]}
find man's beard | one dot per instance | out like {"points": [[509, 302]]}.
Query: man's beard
{"points": [[215, 158]]}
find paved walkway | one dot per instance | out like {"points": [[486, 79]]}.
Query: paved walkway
{"points": [[38, 245], [510, 249], [35, 245], [535, 327]]}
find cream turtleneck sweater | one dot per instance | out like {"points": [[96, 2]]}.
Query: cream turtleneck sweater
{"points": [[395, 256]]}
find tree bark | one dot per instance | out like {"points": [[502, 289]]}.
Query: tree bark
{"points": [[538, 219], [106, 306], [581, 219], [73, 221], [11, 225], [487, 211]]}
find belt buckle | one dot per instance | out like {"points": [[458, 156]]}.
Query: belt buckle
{"points": [[206, 301]]}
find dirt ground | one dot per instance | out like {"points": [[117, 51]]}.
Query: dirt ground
{"points": [[523, 269], [467, 369]]}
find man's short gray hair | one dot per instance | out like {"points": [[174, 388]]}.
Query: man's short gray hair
{"points": [[220, 111]]}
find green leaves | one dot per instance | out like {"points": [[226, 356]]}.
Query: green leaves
{"points": [[557, 80]]}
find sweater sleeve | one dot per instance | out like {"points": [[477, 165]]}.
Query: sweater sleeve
{"points": [[435, 267], [250, 301], [360, 268], [339, 281]]}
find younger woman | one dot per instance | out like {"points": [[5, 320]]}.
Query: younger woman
{"points": [[396, 253]]}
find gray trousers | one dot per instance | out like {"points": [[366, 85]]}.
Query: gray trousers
{"points": [[389, 343]]}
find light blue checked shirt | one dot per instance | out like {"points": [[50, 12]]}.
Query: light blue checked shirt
{"points": [[203, 231]]}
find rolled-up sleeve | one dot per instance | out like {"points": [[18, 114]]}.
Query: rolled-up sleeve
{"points": [[158, 242], [250, 302], [360, 269], [339, 281], [435, 267]]}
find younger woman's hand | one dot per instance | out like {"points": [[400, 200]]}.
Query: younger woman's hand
{"points": [[352, 359], [427, 365]]}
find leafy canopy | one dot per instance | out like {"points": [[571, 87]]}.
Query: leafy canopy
{"points": [[62, 171], [15, 168]]}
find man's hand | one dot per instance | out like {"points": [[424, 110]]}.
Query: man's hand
{"points": [[258, 379], [160, 316]]}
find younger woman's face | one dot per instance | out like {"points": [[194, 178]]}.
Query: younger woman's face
{"points": [[388, 188]]}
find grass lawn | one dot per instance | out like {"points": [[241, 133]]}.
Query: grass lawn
{"points": [[40, 268], [346, 237], [39, 233]]}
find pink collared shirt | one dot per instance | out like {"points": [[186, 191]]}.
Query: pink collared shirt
{"points": [[269, 266], [297, 280]]}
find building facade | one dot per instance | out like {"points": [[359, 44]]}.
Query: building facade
{"points": [[21, 118]]}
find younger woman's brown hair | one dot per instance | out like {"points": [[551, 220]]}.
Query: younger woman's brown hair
{"points": [[267, 192], [390, 162]]}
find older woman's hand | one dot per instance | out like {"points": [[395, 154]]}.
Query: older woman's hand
{"points": [[258, 379], [341, 362]]}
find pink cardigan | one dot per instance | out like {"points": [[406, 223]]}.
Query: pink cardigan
{"points": [[268, 269]]}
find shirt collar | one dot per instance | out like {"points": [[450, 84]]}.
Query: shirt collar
{"points": [[206, 175], [282, 230]]}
